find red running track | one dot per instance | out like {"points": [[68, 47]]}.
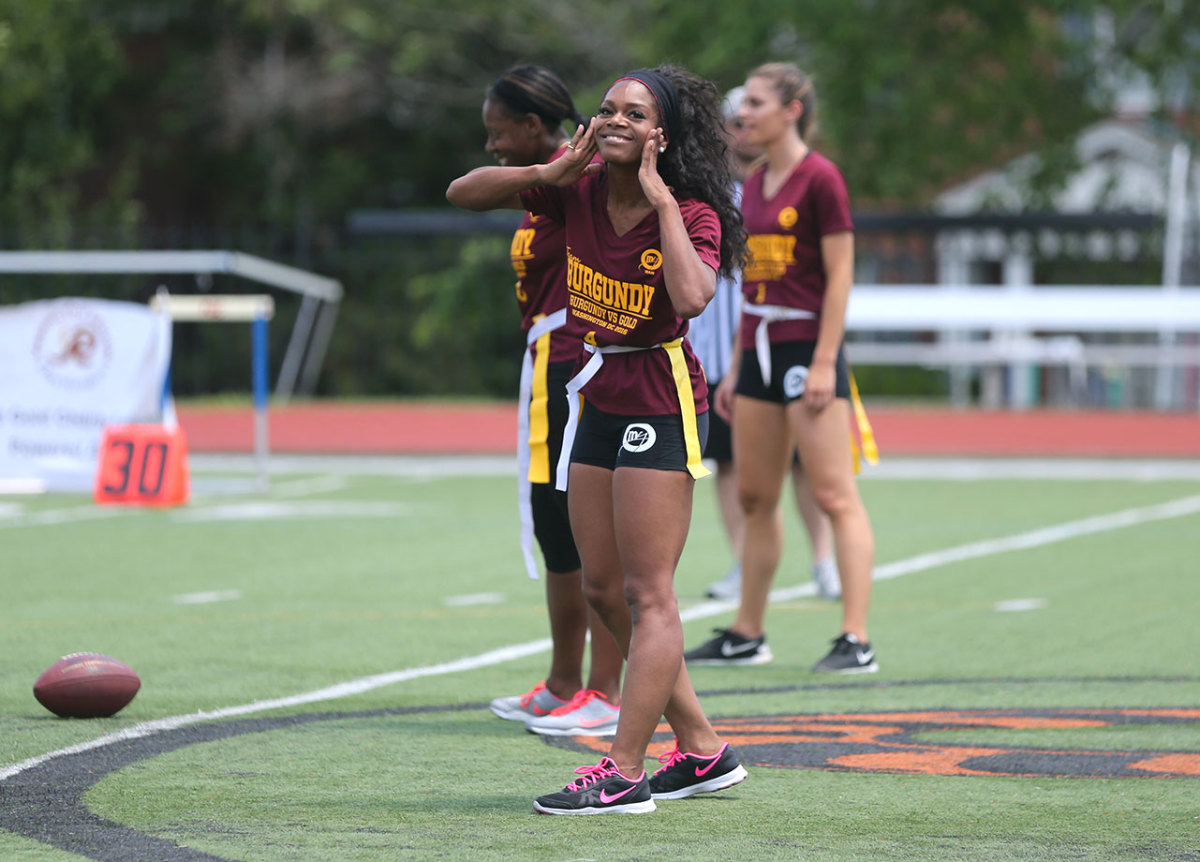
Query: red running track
{"points": [[449, 428]]}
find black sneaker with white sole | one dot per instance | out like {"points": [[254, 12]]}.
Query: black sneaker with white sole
{"points": [[602, 789], [683, 774], [730, 648], [848, 656]]}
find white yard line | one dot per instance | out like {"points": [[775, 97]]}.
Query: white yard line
{"points": [[333, 692], [17, 516], [1020, 541], [922, 562], [330, 470], [53, 517], [207, 598]]}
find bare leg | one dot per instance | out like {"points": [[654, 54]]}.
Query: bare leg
{"points": [[630, 527], [571, 620], [591, 507], [760, 450], [608, 660], [731, 509], [823, 438], [653, 513], [816, 522], [568, 631]]}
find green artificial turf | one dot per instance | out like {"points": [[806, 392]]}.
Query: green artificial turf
{"points": [[345, 577]]}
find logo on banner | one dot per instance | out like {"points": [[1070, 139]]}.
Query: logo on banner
{"points": [[72, 347]]}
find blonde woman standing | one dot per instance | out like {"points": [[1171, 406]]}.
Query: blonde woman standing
{"points": [[789, 386]]}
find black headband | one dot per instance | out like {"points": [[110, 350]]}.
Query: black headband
{"points": [[664, 93]]}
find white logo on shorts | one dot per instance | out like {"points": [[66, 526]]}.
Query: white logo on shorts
{"points": [[638, 437], [794, 380]]}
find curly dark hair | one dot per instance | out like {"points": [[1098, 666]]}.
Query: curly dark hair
{"points": [[696, 164]]}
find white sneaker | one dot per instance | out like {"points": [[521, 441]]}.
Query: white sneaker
{"points": [[586, 714], [729, 587], [829, 582]]}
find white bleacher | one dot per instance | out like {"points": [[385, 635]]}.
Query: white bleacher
{"points": [[997, 326]]}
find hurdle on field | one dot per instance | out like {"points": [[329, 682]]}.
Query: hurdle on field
{"points": [[257, 310]]}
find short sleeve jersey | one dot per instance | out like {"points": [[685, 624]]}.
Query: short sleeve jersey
{"points": [[784, 244], [540, 262], [616, 295]]}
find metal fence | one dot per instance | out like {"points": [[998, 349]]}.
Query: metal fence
{"points": [[428, 309]]}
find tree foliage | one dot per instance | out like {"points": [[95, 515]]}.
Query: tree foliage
{"points": [[59, 72], [299, 110], [912, 94], [290, 114]]}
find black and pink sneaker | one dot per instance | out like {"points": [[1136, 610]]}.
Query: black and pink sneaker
{"points": [[602, 789], [683, 775]]}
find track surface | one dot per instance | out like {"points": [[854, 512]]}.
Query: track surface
{"points": [[450, 428]]}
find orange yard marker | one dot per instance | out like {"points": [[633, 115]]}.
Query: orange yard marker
{"points": [[142, 465]]}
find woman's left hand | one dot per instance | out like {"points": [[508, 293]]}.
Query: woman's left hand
{"points": [[656, 191], [818, 388]]}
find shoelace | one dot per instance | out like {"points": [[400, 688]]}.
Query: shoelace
{"points": [[581, 699], [593, 774], [528, 697], [670, 758]]}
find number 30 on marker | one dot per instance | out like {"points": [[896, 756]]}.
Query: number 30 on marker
{"points": [[142, 465]]}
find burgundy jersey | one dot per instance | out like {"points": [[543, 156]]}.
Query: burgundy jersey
{"points": [[616, 295], [784, 244], [540, 261]]}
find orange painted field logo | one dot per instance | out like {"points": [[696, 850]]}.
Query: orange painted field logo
{"points": [[905, 743]]}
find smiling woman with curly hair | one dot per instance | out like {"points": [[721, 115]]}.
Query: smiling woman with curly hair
{"points": [[647, 230]]}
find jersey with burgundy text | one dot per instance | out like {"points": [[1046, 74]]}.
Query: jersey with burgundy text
{"points": [[616, 294], [785, 266]]}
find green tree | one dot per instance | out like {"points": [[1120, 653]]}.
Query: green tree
{"points": [[916, 94], [912, 93], [290, 114], [296, 111], [59, 71]]}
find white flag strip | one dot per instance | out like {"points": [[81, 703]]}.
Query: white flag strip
{"points": [[68, 367]]}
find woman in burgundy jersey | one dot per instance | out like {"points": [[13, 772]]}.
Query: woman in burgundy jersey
{"points": [[789, 385], [523, 114], [647, 231]]}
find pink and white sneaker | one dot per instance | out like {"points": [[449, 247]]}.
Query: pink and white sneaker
{"points": [[587, 714]]}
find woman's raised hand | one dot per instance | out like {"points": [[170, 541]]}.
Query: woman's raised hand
{"points": [[656, 191], [577, 161]]}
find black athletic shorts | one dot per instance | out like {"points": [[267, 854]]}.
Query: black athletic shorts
{"points": [[789, 371], [610, 441], [551, 526]]}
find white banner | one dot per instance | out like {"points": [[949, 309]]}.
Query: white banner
{"points": [[68, 367]]}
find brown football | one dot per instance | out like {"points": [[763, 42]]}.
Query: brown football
{"points": [[86, 685]]}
